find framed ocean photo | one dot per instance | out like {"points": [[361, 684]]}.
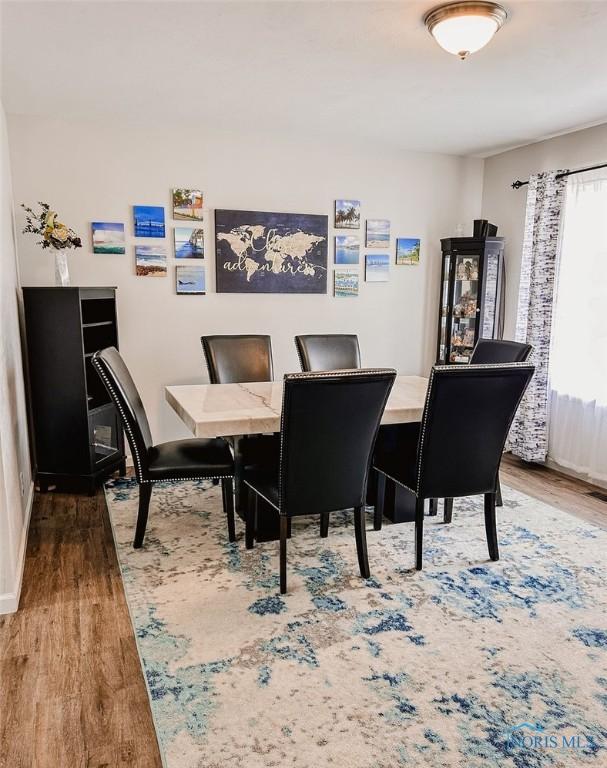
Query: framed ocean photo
{"points": [[149, 220], [150, 261], [189, 243], [108, 237], [262, 252], [190, 280], [407, 250], [377, 267], [187, 204], [347, 249], [345, 283], [347, 214], [377, 233]]}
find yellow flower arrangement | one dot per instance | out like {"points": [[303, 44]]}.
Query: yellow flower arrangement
{"points": [[54, 234]]}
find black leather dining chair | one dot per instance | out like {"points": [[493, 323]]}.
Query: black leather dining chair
{"points": [[457, 448], [190, 459], [328, 430], [499, 351], [489, 351], [328, 352], [238, 359]]}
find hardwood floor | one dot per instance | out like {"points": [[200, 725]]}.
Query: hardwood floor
{"points": [[555, 488], [72, 689], [73, 692]]}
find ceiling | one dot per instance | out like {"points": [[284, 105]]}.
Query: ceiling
{"points": [[361, 70]]}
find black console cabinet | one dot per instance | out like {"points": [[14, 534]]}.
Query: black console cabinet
{"points": [[77, 432]]}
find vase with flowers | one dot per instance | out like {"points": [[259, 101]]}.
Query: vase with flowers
{"points": [[54, 235]]}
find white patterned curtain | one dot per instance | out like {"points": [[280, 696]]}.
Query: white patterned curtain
{"points": [[539, 269], [578, 358]]}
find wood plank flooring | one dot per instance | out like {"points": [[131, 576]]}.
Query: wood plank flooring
{"points": [[72, 689], [72, 693]]}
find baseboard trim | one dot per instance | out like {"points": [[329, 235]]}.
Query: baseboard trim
{"points": [[9, 601], [598, 482]]}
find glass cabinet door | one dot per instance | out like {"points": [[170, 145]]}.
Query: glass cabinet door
{"points": [[104, 429], [444, 310], [465, 310]]}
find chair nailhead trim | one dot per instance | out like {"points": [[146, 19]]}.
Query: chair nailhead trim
{"points": [[336, 374], [138, 466], [178, 479], [271, 503], [394, 480], [301, 362]]}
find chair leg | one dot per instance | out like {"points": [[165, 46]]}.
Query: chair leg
{"points": [[145, 494], [498, 493], [251, 516], [448, 513], [419, 532], [324, 525], [284, 529], [490, 527], [227, 493], [361, 541], [433, 508], [380, 495]]}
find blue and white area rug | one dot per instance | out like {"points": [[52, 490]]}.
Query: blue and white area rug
{"points": [[468, 663]]}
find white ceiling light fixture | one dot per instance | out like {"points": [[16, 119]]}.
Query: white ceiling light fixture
{"points": [[465, 27]]}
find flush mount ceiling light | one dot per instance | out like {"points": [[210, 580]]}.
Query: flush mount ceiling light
{"points": [[465, 27]]}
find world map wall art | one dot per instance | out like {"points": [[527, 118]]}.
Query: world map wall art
{"points": [[260, 252]]}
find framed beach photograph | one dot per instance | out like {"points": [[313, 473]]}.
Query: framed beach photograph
{"points": [[189, 243], [347, 214], [187, 204], [149, 220], [347, 249], [407, 250], [377, 233], [150, 261], [345, 283], [190, 280], [108, 237], [377, 267]]}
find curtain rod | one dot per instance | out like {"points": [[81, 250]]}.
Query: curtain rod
{"points": [[518, 184]]}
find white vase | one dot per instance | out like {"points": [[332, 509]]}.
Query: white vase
{"points": [[62, 273]]}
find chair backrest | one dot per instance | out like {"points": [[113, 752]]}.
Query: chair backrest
{"points": [[238, 359], [121, 388], [328, 430], [466, 419], [328, 352], [499, 351]]}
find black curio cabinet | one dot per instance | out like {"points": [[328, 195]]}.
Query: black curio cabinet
{"points": [[77, 433], [471, 305]]}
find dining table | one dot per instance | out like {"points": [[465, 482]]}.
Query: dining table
{"points": [[236, 410]]}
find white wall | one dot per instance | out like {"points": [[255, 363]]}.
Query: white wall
{"points": [[16, 488], [97, 170], [505, 206]]}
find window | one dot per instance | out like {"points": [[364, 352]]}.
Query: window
{"points": [[578, 359]]}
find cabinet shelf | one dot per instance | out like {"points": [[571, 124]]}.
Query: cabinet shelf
{"points": [[96, 325]]}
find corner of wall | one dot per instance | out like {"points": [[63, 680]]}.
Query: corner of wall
{"points": [[16, 486]]}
